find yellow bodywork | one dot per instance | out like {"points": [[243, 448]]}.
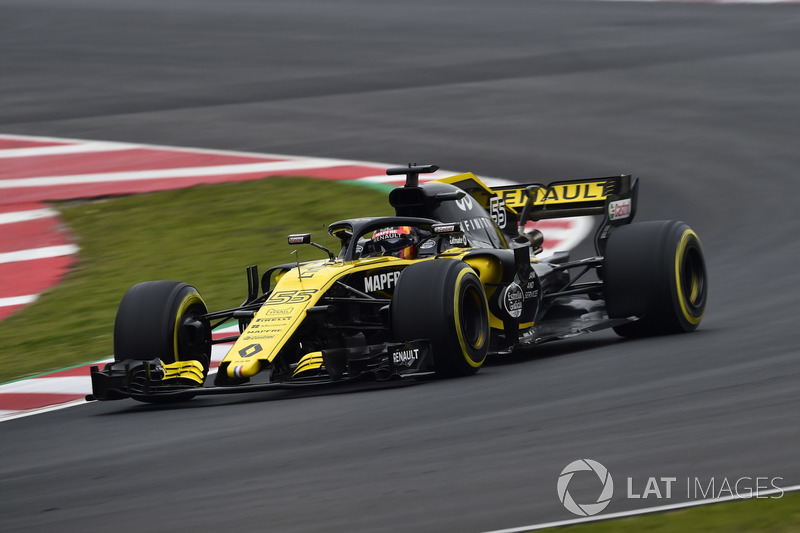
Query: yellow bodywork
{"points": [[310, 361], [286, 308], [299, 288], [566, 193], [192, 370], [515, 197]]}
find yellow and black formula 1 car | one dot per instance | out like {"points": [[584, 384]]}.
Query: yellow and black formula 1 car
{"points": [[450, 280]]}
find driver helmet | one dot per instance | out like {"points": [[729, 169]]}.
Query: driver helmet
{"points": [[397, 241]]}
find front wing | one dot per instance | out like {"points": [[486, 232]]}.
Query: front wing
{"points": [[154, 381]]}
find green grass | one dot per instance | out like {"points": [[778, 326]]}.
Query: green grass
{"points": [[204, 235], [767, 515]]}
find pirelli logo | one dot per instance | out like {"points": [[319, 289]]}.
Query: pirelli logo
{"points": [[564, 193]]}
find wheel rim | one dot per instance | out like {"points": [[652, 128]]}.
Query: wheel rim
{"points": [[473, 318], [691, 277], [189, 343]]}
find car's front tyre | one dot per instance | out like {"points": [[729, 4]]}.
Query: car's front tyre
{"points": [[443, 301], [159, 319]]}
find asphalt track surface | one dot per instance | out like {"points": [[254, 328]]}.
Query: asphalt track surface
{"points": [[699, 100]]}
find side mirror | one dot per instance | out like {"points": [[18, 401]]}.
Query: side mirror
{"points": [[305, 238], [300, 238]]}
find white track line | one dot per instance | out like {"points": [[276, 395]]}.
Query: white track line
{"points": [[637, 512], [18, 300], [78, 385], [219, 351], [96, 146], [54, 385], [38, 253], [185, 172], [192, 150], [379, 166], [5, 416], [25, 216]]}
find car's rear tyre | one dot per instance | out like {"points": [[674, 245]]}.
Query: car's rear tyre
{"points": [[655, 270], [158, 319], [443, 301]]}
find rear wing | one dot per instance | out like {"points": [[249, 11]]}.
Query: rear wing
{"points": [[614, 197], [513, 206]]}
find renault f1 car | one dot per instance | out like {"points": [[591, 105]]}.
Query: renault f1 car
{"points": [[453, 278]]}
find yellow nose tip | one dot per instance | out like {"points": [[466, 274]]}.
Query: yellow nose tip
{"points": [[244, 371]]}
